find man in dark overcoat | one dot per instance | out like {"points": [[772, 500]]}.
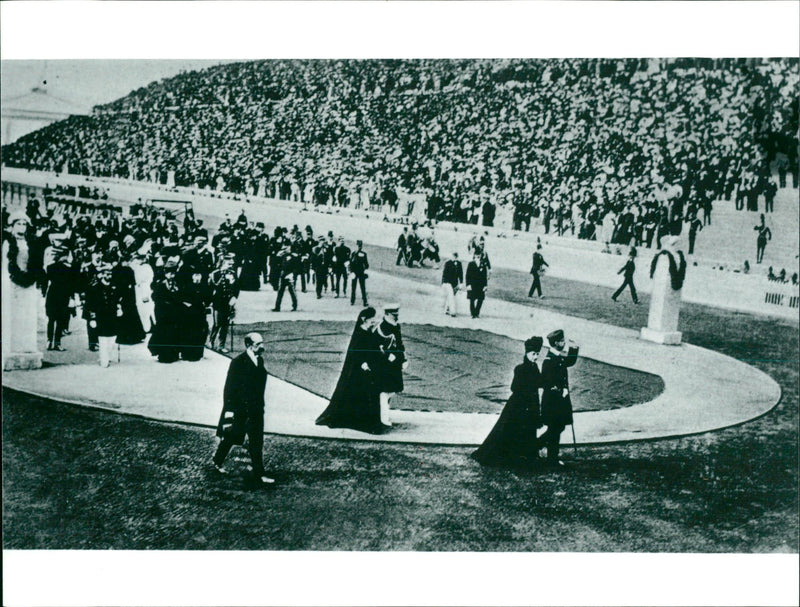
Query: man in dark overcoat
{"points": [[61, 286], [243, 408], [556, 402], [359, 264], [341, 261], [477, 283], [389, 376]]}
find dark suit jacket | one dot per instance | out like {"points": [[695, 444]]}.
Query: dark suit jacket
{"points": [[243, 398], [453, 273], [629, 268], [62, 284], [476, 279]]}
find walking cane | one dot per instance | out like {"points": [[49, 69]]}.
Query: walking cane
{"points": [[231, 332], [574, 442]]}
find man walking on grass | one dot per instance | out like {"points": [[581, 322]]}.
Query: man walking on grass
{"points": [[243, 408]]}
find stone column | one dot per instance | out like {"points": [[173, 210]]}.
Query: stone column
{"points": [[20, 322], [665, 302]]}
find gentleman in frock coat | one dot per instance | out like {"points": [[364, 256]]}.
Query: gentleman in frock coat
{"points": [[477, 283], [243, 408]]}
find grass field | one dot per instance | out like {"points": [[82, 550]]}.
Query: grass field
{"points": [[75, 478]]}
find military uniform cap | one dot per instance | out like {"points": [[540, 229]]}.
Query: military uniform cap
{"points": [[391, 308]]}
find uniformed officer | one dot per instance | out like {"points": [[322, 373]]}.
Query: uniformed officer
{"points": [[341, 261], [359, 264], [289, 267], [224, 292], [556, 401], [392, 360]]}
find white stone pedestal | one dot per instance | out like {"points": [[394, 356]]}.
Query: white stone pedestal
{"points": [[20, 323], [665, 307], [668, 338]]}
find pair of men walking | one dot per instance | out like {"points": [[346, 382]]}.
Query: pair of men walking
{"points": [[477, 281]]}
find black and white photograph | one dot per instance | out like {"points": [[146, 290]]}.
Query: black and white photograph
{"points": [[317, 304]]}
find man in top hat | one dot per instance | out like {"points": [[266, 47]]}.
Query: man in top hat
{"points": [[359, 264], [556, 402], [389, 376]]}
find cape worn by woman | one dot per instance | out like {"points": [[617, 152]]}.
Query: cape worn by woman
{"points": [[129, 328], [355, 402], [512, 441]]}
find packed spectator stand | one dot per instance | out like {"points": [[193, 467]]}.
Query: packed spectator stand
{"points": [[621, 151]]}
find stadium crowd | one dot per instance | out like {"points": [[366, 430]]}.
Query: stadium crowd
{"points": [[622, 151]]}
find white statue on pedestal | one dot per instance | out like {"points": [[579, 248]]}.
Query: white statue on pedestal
{"points": [[668, 271], [21, 298]]}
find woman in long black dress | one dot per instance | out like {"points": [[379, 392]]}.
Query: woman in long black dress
{"points": [[130, 330], [355, 402], [512, 442]]}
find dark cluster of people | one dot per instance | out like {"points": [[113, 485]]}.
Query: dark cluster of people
{"points": [[780, 277], [151, 271], [414, 247], [294, 257], [561, 141]]}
